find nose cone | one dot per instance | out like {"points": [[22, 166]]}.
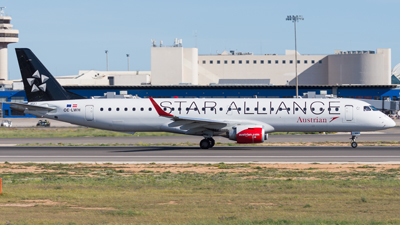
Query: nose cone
{"points": [[390, 123]]}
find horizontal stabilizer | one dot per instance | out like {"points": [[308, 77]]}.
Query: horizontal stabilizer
{"points": [[22, 107]]}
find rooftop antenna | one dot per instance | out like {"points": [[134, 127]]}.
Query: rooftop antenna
{"points": [[2, 10]]}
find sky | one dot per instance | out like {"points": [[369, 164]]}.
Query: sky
{"points": [[68, 36]]}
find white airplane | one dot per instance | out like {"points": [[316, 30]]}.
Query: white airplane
{"points": [[243, 120]]}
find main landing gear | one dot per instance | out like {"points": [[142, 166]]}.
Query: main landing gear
{"points": [[207, 143], [354, 135]]}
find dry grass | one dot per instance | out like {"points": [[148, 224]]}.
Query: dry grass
{"points": [[200, 194]]}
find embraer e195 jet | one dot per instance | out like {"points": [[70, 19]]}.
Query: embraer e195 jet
{"points": [[239, 119]]}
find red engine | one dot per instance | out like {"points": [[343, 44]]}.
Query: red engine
{"points": [[243, 134]]}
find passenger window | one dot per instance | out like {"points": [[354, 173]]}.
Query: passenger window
{"points": [[133, 109], [141, 109], [150, 109], [126, 109], [101, 109], [117, 109], [109, 109]]}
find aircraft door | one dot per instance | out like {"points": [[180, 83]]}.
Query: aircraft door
{"points": [[89, 111], [349, 113]]}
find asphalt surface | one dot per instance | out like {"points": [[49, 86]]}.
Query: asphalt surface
{"points": [[195, 155], [392, 134]]}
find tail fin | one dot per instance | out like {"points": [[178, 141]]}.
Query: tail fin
{"points": [[39, 84]]}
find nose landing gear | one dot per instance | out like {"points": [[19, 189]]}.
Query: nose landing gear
{"points": [[207, 143], [354, 135]]}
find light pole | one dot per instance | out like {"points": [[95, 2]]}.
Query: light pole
{"points": [[107, 58], [295, 19], [127, 55]]}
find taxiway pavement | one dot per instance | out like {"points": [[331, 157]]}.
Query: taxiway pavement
{"points": [[228, 154]]}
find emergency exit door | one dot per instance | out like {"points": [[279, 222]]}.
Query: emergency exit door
{"points": [[89, 112], [349, 112]]}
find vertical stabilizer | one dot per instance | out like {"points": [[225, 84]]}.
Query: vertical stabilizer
{"points": [[39, 84]]}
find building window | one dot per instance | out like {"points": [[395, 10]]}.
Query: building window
{"points": [[298, 61], [262, 61], [218, 62], [254, 61], [211, 62], [320, 61], [305, 61], [204, 61], [226, 61], [233, 61], [312, 61], [240, 61], [269, 61], [291, 61], [247, 61], [276, 61], [283, 61]]}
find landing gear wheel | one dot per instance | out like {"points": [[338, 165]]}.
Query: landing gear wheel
{"points": [[212, 142], [205, 144], [354, 144]]}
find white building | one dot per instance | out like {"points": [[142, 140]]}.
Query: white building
{"points": [[174, 65]]}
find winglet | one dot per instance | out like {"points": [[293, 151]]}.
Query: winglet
{"points": [[159, 110]]}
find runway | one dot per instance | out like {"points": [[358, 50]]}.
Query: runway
{"points": [[392, 134], [195, 155]]}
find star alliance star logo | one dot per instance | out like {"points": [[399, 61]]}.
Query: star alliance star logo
{"points": [[42, 77]]}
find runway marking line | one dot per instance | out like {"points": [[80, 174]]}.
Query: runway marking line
{"points": [[200, 156]]}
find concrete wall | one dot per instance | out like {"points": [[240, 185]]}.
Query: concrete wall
{"points": [[363, 68], [174, 65], [280, 69]]}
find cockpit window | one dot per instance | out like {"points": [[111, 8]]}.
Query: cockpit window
{"points": [[367, 108], [373, 108]]}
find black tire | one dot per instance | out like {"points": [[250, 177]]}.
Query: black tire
{"points": [[212, 142], [354, 144], [205, 144]]}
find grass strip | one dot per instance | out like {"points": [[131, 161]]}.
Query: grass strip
{"points": [[89, 132], [199, 194]]}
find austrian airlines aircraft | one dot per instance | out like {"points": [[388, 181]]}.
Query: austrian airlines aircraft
{"points": [[243, 120]]}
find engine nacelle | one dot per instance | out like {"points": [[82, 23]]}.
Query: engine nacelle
{"points": [[248, 134]]}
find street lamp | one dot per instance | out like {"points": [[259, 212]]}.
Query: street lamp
{"points": [[127, 55], [295, 19], [107, 58]]}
